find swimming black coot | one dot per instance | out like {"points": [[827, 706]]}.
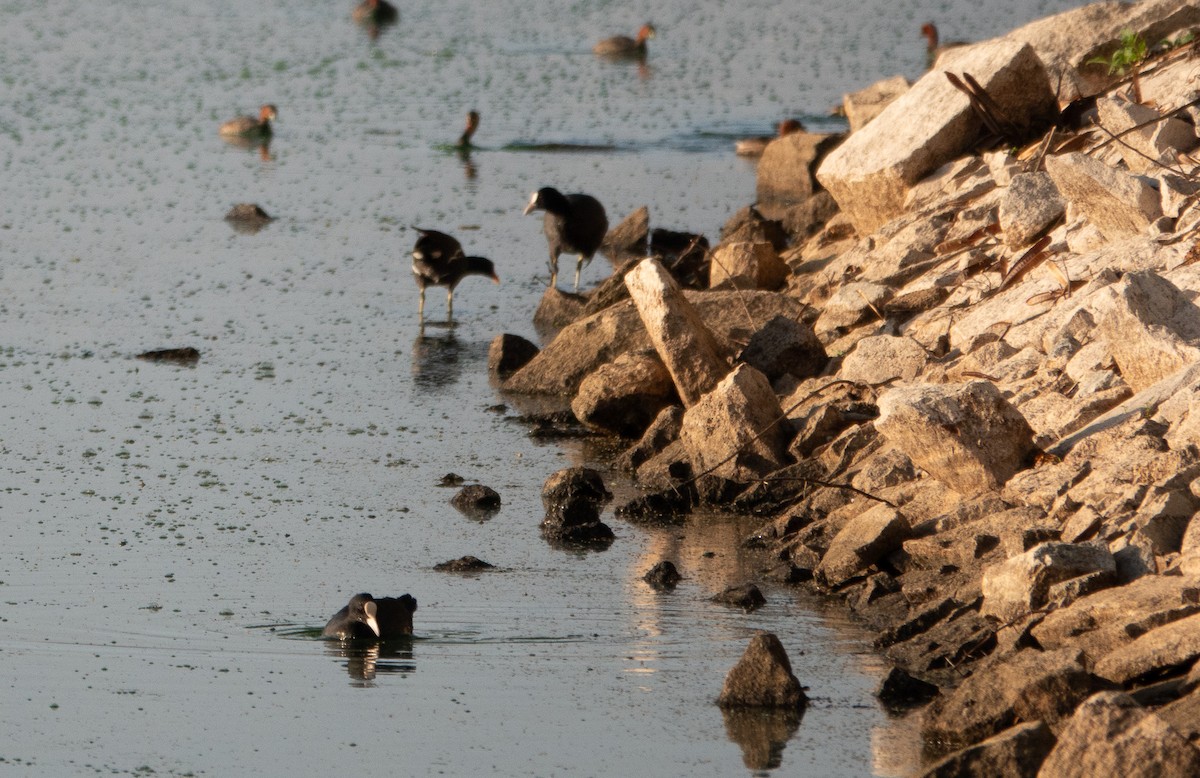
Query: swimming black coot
{"points": [[439, 260], [574, 224], [367, 617]]}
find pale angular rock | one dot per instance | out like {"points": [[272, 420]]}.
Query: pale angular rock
{"points": [[870, 173], [1152, 328], [1016, 752], [1029, 686], [785, 171], [872, 534], [879, 358], [747, 266], [625, 395], [1157, 142], [967, 436], [995, 536], [1030, 205], [762, 678], [739, 420], [678, 333], [1120, 205], [865, 104], [1110, 734], [851, 304], [1103, 622], [1020, 585], [785, 347], [1171, 646]]}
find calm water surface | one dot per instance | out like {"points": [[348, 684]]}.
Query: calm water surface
{"points": [[171, 537]]}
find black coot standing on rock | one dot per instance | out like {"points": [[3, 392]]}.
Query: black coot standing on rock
{"points": [[438, 260], [574, 224], [374, 619]]}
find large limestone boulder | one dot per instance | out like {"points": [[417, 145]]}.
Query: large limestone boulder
{"points": [[869, 175], [785, 171], [682, 340], [762, 678], [1016, 752], [1117, 203], [866, 538], [1029, 686], [1173, 645], [624, 396], [1020, 585], [747, 266], [867, 103], [1110, 734], [880, 358], [737, 428], [967, 436], [1152, 328]]}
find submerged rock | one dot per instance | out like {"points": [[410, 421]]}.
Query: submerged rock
{"points": [[663, 575], [186, 356], [573, 498], [466, 564], [748, 597], [477, 501]]}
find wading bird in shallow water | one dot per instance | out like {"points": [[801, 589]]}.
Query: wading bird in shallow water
{"points": [[624, 46], [933, 49], [574, 224], [438, 260], [373, 619], [464, 140], [249, 127]]}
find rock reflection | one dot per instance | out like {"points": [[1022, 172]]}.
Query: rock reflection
{"points": [[436, 358], [366, 659], [762, 733]]}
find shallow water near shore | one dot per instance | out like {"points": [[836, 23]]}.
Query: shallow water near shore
{"points": [[173, 537]]}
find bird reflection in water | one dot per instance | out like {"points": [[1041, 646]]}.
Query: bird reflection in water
{"points": [[366, 659], [761, 733], [435, 357], [261, 144]]}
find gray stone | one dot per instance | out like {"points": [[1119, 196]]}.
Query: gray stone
{"points": [[865, 104], [785, 347], [1110, 734], [1158, 142], [967, 436], [1119, 204], [869, 536], [679, 334], [1016, 752], [870, 173], [785, 171], [747, 266], [509, 353], [762, 678], [1020, 585], [624, 396], [735, 430], [880, 358], [1030, 205], [1163, 649], [1152, 328]]}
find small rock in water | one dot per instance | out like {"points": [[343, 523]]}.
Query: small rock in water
{"points": [[747, 597], [899, 691], [466, 564], [573, 498], [248, 217], [476, 497], [451, 479], [762, 677], [662, 576]]}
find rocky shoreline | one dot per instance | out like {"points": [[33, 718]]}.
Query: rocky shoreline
{"points": [[952, 360]]}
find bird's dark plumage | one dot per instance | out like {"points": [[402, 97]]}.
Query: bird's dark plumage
{"points": [[374, 619], [438, 260], [574, 224]]}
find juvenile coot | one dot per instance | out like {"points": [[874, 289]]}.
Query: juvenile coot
{"points": [[574, 224], [375, 13], [464, 140], [367, 617], [754, 147], [249, 127], [624, 46], [438, 260]]}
